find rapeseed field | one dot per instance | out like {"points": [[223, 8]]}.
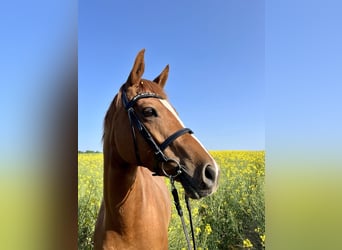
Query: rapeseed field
{"points": [[232, 218]]}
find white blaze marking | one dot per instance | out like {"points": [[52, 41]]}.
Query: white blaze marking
{"points": [[216, 167], [172, 110]]}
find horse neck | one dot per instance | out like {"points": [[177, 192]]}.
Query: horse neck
{"points": [[123, 187], [119, 179], [128, 191]]}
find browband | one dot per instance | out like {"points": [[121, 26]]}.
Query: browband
{"points": [[130, 104]]}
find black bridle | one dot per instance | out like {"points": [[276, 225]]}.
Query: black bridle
{"points": [[136, 123], [158, 152]]}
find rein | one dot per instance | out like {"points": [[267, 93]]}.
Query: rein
{"points": [[159, 154]]}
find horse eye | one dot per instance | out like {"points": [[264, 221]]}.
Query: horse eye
{"points": [[148, 112]]}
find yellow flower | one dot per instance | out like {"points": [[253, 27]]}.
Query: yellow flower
{"points": [[195, 211], [198, 230], [208, 229], [204, 205], [247, 243], [263, 237]]}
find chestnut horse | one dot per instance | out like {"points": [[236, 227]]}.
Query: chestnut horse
{"points": [[144, 140]]}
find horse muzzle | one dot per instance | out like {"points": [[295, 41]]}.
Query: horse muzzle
{"points": [[203, 183]]}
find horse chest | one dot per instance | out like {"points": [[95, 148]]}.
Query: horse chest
{"points": [[144, 217], [151, 201]]}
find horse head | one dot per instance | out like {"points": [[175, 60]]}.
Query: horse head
{"points": [[144, 129]]}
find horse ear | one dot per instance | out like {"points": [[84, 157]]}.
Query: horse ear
{"points": [[161, 79], [137, 70]]}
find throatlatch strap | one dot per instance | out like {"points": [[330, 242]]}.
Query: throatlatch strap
{"points": [[131, 116]]}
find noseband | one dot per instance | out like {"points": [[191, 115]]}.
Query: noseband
{"points": [[135, 122], [159, 154]]}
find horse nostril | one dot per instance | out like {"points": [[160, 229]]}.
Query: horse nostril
{"points": [[209, 175]]}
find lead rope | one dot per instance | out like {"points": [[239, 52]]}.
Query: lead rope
{"points": [[180, 213], [190, 217]]}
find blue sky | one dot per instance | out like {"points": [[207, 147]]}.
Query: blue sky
{"points": [[217, 63]]}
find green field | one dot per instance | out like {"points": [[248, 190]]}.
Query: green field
{"points": [[232, 218]]}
